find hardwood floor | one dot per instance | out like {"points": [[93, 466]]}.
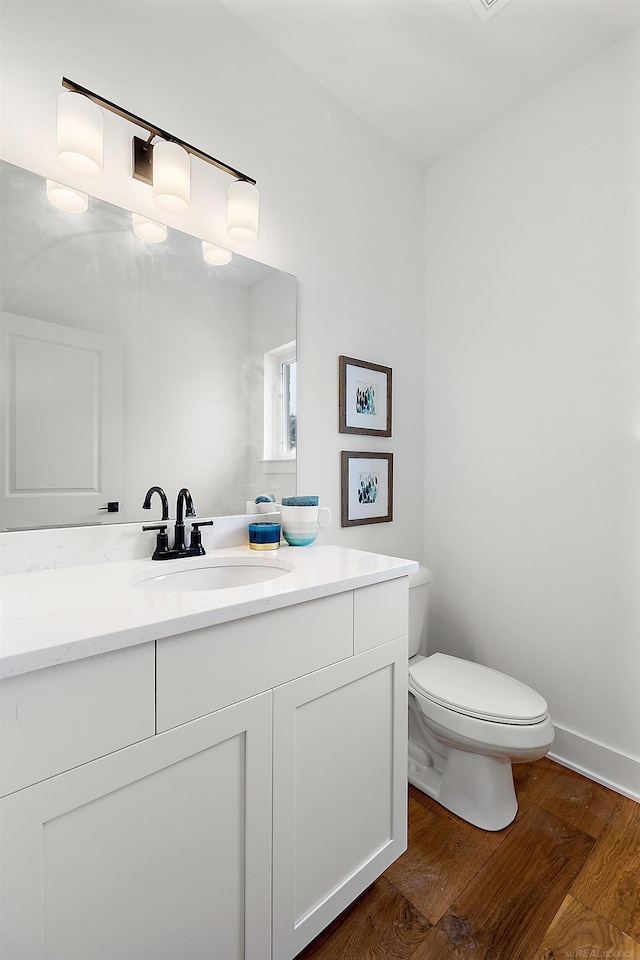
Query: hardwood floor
{"points": [[562, 882]]}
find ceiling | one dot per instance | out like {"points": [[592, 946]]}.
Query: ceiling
{"points": [[429, 74]]}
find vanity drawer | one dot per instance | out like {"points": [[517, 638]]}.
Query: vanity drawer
{"points": [[207, 669], [59, 717], [380, 614]]}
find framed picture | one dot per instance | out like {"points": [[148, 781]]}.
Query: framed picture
{"points": [[367, 487], [365, 398]]}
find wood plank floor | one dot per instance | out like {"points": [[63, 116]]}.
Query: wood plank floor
{"points": [[562, 882]]}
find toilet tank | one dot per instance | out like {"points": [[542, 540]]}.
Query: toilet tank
{"points": [[418, 604]]}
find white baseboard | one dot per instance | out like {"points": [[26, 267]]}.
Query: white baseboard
{"points": [[602, 764]]}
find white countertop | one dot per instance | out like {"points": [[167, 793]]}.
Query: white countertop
{"points": [[54, 616]]}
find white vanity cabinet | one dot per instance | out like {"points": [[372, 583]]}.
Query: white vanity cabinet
{"points": [[339, 789], [269, 792], [160, 851]]}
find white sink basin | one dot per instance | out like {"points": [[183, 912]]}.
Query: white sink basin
{"points": [[210, 574]]}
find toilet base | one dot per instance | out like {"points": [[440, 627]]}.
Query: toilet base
{"points": [[474, 786], [478, 789]]}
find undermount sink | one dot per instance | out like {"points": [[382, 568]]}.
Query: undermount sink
{"points": [[211, 574]]}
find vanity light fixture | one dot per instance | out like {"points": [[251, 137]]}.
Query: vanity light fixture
{"points": [[149, 230], [79, 135], [164, 165], [171, 186], [217, 256], [243, 204], [66, 198]]}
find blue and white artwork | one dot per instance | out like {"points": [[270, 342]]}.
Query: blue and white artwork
{"points": [[368, 487], [366, 398]]}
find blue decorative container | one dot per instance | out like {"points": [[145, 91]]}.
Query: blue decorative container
{"points": [[264, 535]]}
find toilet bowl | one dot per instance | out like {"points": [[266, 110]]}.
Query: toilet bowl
{"points": [[467, 725]]}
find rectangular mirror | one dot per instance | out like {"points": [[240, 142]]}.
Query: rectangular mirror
{"points": [[127, 364]]}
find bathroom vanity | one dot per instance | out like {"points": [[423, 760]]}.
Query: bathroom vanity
{"points": [[199, 773]]}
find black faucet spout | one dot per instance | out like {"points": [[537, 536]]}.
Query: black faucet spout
{"points": [[184, 507], [185, 503], [163, 498]]}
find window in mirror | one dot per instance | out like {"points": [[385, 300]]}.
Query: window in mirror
{"points": [[280, 421]]}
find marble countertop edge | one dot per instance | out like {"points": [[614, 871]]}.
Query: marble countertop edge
{"points": [[58, 616]]}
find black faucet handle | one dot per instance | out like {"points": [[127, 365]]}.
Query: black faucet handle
{"points": [[162, 540], [195, 543]]}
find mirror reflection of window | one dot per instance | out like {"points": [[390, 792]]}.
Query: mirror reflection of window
{"points": [[289, 422], [280, 420]]}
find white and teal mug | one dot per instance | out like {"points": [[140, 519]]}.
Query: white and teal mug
{"points": [[300, 518]]}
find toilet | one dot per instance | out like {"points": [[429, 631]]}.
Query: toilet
{"points": [[467, 725]]}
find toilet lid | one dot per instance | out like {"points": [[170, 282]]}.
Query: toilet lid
{"points": [[476, 691]]}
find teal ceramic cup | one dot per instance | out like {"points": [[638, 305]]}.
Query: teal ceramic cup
{"points": [[300, 521]]}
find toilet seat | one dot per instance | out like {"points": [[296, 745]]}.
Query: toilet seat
{"points": [[476, 691]]}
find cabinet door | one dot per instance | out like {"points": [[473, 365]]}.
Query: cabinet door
{"points": [[340, 789], [157, 852]]}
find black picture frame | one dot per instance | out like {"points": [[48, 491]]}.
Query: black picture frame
{"points": [[365, 398], [366, 487]]}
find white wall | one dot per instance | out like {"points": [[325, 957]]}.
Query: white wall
{"points": [[533, 406], [339, 209]]}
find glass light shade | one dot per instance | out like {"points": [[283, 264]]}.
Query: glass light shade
{"points": [[149, 230], [79, 135], [66, 198], [171, 177], [243, 208], [215, 255]]}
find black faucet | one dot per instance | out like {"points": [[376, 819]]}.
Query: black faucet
{"points": [[163, 497], [184, 507], [184, 501]]}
